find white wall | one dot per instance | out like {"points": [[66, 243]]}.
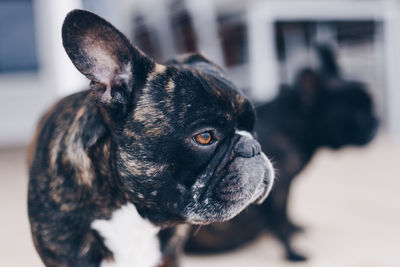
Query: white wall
{"points": [[25, 96]]}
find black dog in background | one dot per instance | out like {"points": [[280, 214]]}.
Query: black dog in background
{"points": [[321, 110]]}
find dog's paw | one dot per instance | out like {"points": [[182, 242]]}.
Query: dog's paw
{"points": [[295, 257]]}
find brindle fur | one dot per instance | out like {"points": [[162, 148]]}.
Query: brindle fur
{"points": [[125, 141]]}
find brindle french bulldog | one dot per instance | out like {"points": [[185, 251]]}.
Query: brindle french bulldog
{"points": [[320, 110], [113, 169]]}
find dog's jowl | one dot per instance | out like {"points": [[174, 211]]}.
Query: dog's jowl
{"points": [[115, 169]]}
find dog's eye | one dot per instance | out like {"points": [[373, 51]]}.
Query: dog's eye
{"points": [[204, 138]]}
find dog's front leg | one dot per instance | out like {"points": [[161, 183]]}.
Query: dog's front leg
{"points": [[277, 219]]}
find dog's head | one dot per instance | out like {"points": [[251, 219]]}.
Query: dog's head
{"points": [[346, 116], [182, 143], [340, 111]]}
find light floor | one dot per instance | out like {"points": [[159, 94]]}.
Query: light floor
{"points": [[348, 200]]}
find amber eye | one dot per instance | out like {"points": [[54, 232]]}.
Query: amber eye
{"points": [[204, 138]]}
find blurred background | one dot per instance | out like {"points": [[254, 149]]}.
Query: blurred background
{"points": [[347, 199]]}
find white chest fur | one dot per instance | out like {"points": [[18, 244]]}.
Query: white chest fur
{"points": [[132, 239]]}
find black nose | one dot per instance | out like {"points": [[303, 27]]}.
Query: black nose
{"points": [[247, 148]]}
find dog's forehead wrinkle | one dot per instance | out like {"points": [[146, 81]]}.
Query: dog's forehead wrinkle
{"points": [[149, 112], [146, 106]]}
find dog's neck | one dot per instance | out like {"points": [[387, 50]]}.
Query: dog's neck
{"points": [[131, 238]]}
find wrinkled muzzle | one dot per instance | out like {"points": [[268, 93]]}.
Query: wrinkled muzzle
{"points": [[243, 175]]}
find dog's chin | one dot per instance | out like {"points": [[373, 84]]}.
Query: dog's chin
{"points": [[368, 136], [224, 207], [268, 182], [234, 192]]}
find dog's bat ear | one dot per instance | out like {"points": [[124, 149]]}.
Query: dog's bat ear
{"points": [[106, 57], [327, 60]]}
